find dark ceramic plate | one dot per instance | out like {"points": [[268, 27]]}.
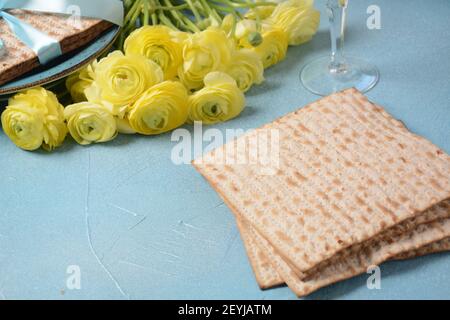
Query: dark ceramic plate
{"points": [[63, 66]]}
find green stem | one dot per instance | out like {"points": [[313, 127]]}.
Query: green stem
{"points": [[211, 11], [178, 17], [166, 21], [191, 25], [258, 17], [194, 10], [247, 5], [127, 5], [154, 12], [178, 8], [222, 8], [146, 17], [136, 6]]}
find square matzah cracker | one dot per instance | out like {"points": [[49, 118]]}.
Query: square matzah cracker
{"points": [[265, 273], [357, 262], [20, 59], [347, 171], [435, 247], [268, 276]]}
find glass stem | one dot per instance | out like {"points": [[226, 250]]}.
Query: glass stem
{"points": [[337, 10]]}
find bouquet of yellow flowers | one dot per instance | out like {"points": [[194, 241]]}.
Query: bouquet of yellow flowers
{"points": [[177, 63]]}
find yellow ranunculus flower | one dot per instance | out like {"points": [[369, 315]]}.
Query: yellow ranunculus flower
{"points": [[90, 123], [247, 34], [208, 22], [244, 28], [160, 44], [227, 23], [220, 100], [161, 108], [273, 47], [180, 36], [121, 79], [79, 81], [35, 118], [204, 52], [246, 69], [123, 126], [298, 19], [262, 12]]}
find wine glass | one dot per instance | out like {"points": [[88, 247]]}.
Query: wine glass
{"points": [[328, 74]]}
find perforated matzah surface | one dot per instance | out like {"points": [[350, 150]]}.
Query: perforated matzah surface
{"points": [[267, 275], [347, 172], [358, 262], [435, 247]]}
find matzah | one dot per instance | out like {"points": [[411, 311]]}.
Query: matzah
{"points": [[358, 262], [72, 34], [335, 186], [347, 172], [267, 275], [435, 247]]}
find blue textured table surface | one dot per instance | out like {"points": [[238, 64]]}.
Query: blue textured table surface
{"points": [[140, 227]]}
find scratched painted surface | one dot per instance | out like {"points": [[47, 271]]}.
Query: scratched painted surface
{"points": [[140, 227]]}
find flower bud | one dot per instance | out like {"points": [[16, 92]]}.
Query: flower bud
{"points": [[255, 38]]}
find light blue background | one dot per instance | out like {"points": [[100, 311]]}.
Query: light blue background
{"points": [[140, 227]]}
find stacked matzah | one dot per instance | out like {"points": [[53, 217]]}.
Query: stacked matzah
{"points": [[72, 33], [352, 188]]}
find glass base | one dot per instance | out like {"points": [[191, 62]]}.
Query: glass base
{"points": [[320, 79]]}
